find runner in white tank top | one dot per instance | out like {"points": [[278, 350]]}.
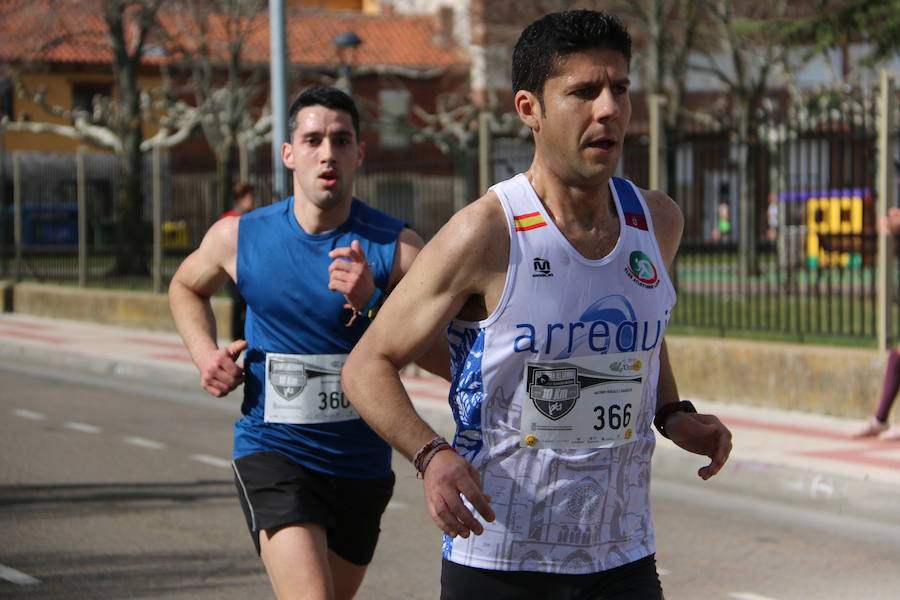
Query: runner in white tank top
{"points": [[591, 331], [554, 294]]}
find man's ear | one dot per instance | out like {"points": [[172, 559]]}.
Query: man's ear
{"points": [[361, 153], [529, 109], [287, 155]]}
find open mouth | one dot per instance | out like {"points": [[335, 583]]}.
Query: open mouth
{"points": [[604, 144], [328, 176]]}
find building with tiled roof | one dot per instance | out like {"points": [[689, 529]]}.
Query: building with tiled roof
{"points": [[43, 31], [62, 46]]}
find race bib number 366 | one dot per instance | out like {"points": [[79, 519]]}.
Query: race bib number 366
{"points": [[306, 389], [584, 402]]}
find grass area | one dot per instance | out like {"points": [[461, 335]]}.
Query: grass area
{"points": [[799, 314], [774, 336], [832, 305], [133, 284], [62, 269]]}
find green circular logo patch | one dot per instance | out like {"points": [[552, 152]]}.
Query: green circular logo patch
{"points": [[642, 268]]}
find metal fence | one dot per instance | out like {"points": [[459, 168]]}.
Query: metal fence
{"points": [[802, 267], [809, 269], [49, 198], [40, 208]]}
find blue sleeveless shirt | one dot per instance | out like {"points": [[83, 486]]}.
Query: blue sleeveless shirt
{"points": [[282, 273]]}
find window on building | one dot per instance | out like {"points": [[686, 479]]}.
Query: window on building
{"points": [[83, 94], [393, 109]]}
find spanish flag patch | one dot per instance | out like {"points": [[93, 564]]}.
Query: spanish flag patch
{"points": [[529, 221]]}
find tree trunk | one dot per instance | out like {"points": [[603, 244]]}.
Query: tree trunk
{"points": [[131, 255], [746, 167], [226, 167], [131, 234]]}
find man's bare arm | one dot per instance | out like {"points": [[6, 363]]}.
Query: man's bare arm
{"points": [[450, 269], [436, 359], [697, 433], [198, 277], [350, 274]]}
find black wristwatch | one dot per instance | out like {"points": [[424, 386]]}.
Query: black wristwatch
{"points": [[666, 410]]}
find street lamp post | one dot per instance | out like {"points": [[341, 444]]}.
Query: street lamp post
{"points": [[346, 43], [278, 95]]}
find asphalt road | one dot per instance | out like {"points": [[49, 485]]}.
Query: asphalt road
{"points": [[118, 491]]}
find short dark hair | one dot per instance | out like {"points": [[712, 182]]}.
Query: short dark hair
{"points": [[329, 97], [242, 189], [554, 36]]}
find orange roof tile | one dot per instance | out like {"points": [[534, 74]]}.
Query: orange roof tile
{"points": [[55, 31], [387, 40], [73, 31]]}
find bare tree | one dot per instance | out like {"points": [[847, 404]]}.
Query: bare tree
{"points": [[213, 37], [744, 62], [129, 23], [671, 28], [116, 123]]}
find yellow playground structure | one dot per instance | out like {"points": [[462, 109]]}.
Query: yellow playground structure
{"points": [[834, 228]]}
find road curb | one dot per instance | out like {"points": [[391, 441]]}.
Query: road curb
{"points": [[183, 378], [805, 488]]}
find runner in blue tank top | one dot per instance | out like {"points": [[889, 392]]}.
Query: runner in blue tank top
{"points": [[554, 294], [312, 477]]}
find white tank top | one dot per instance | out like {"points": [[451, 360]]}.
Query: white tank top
{"points": [[554, 394]]}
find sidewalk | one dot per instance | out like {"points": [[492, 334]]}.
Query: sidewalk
{"points": [[786, 456]]}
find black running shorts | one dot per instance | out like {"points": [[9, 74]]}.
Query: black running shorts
{"points": [[634, 581], [275, 491]]}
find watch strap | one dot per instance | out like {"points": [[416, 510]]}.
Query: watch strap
{"points": [[666, 410]]}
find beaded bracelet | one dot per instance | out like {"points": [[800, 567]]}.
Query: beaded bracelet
{"points": [[427, 460], [425, 450]]}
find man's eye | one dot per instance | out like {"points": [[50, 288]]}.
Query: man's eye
{"points": [[585, 93]]}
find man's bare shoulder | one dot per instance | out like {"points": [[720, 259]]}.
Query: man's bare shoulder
{"points": [[475, 241], [410, 237], [409, 244], [218, 248], [223, 234], [665, 212], [668, 221], [480, 222]]}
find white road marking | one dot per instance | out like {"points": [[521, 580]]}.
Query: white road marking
{"points": [[663, 572], [17, 577], [212, 460], [82, 427], [29, 414], [748, 596], [397, 505], [143, 443]]}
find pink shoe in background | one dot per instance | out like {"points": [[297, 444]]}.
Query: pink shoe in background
{"points": [[892, 434], [871, 429]]}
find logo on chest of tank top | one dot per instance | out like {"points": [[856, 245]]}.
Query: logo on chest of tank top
{"points": [[641, 270], [608, 325], [541, 267]]}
